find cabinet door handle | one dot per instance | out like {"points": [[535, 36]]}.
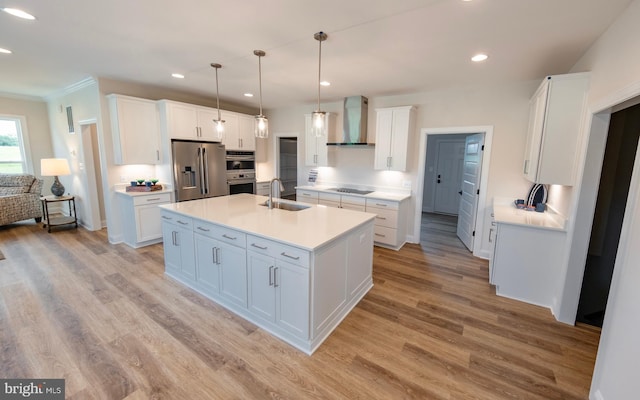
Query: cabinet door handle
{"points": [[380, 234], [275, 274], [213, 255], [158, 155], [271, 276], [176, 240], [379, 217], [167, 218], [218, 255], [183, 223], [259, 247], [288, 256], [381, 205], [173, 238], [203, 229], [525, 169], [490, 235], [154, 199], [224, 235]]}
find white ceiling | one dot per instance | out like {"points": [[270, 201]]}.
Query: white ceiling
{"points": [[375, 47]]}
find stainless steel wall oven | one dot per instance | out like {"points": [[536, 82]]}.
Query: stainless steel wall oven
{"points": [[241, 172]]}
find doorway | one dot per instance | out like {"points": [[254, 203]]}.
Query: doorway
{"points": [[427, 178], [287, 156], [92, 176], [613, 191], [447, 179]]}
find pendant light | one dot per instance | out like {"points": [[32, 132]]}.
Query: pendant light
{"points": [[218, 123], [262, 124], [318, 117]]}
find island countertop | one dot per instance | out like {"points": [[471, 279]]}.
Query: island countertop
{"points": [[309, 228]]}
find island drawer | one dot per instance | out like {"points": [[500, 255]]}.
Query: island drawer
{"points": [[176, 219], [220, 233], [152, 199], [386, 204], [277, 250]]}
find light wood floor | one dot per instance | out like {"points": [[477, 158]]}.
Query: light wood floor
{"points": [[106, 319]]}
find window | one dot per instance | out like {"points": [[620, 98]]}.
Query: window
{"points": [[14, 151]]}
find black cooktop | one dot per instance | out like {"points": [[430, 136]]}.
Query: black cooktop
{"points": [[353, 191]]}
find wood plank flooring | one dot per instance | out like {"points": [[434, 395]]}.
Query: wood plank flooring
{"points": [[106, 319]]}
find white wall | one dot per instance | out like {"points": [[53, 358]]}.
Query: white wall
{"points": [[614, 62], [84, 103], [506, 108]]}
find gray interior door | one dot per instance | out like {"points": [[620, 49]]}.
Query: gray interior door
{"points": [[470, 186]]}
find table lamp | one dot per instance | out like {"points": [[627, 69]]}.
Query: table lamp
{"points": [[55, 167]]}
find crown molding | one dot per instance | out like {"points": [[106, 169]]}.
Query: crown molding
{"points": [[86, 82]]}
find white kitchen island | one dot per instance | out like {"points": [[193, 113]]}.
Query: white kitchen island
{"points": [[296, 274]]}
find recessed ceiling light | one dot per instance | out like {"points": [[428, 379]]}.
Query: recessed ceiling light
{"points": [[5, 51], [179, 76], [248, 95], [18, 13], [325, 83], [479, 57]]}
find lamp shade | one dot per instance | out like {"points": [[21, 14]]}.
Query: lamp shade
{"points": [[54, 167]]}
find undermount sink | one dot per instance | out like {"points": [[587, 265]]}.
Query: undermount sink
{"points": [[285, 206]]}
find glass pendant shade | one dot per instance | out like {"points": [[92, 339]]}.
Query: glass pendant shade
{"points": [[262, 127], [218, 124], [318, 117], [262, 124], [318, 123]]}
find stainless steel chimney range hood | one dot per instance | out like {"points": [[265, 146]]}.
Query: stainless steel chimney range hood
{"points": [[354, 126]]}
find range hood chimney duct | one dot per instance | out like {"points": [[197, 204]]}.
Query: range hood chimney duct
{"points": [[354, 122]]}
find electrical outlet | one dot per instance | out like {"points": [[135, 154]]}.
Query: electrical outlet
{"points": [[406, 184]]}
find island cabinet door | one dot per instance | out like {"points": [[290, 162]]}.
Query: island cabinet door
{"points": [[292, 298], [178, 250], [262, 296], [207, 269], [232, 261]]}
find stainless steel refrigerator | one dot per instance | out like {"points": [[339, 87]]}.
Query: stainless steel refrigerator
{"points": [[199, 169]]}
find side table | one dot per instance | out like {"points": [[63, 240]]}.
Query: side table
{"points": [[56, 220]]}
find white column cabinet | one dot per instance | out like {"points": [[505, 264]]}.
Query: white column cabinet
{"points": [[316, 152], [393, 127], [555, 125], [135, 129]]}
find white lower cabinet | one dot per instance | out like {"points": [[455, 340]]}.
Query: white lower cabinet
{"points": [[390, 223], [141, 217], [279, 292], [221, 262], [179, 255], [307, 196], [296, 294], [526, 263]]}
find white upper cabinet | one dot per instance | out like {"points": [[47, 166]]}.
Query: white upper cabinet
{"points": [[393, 127], [188, 121], [238, 131], [135, 129], [556, 119], [316, 153]]}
